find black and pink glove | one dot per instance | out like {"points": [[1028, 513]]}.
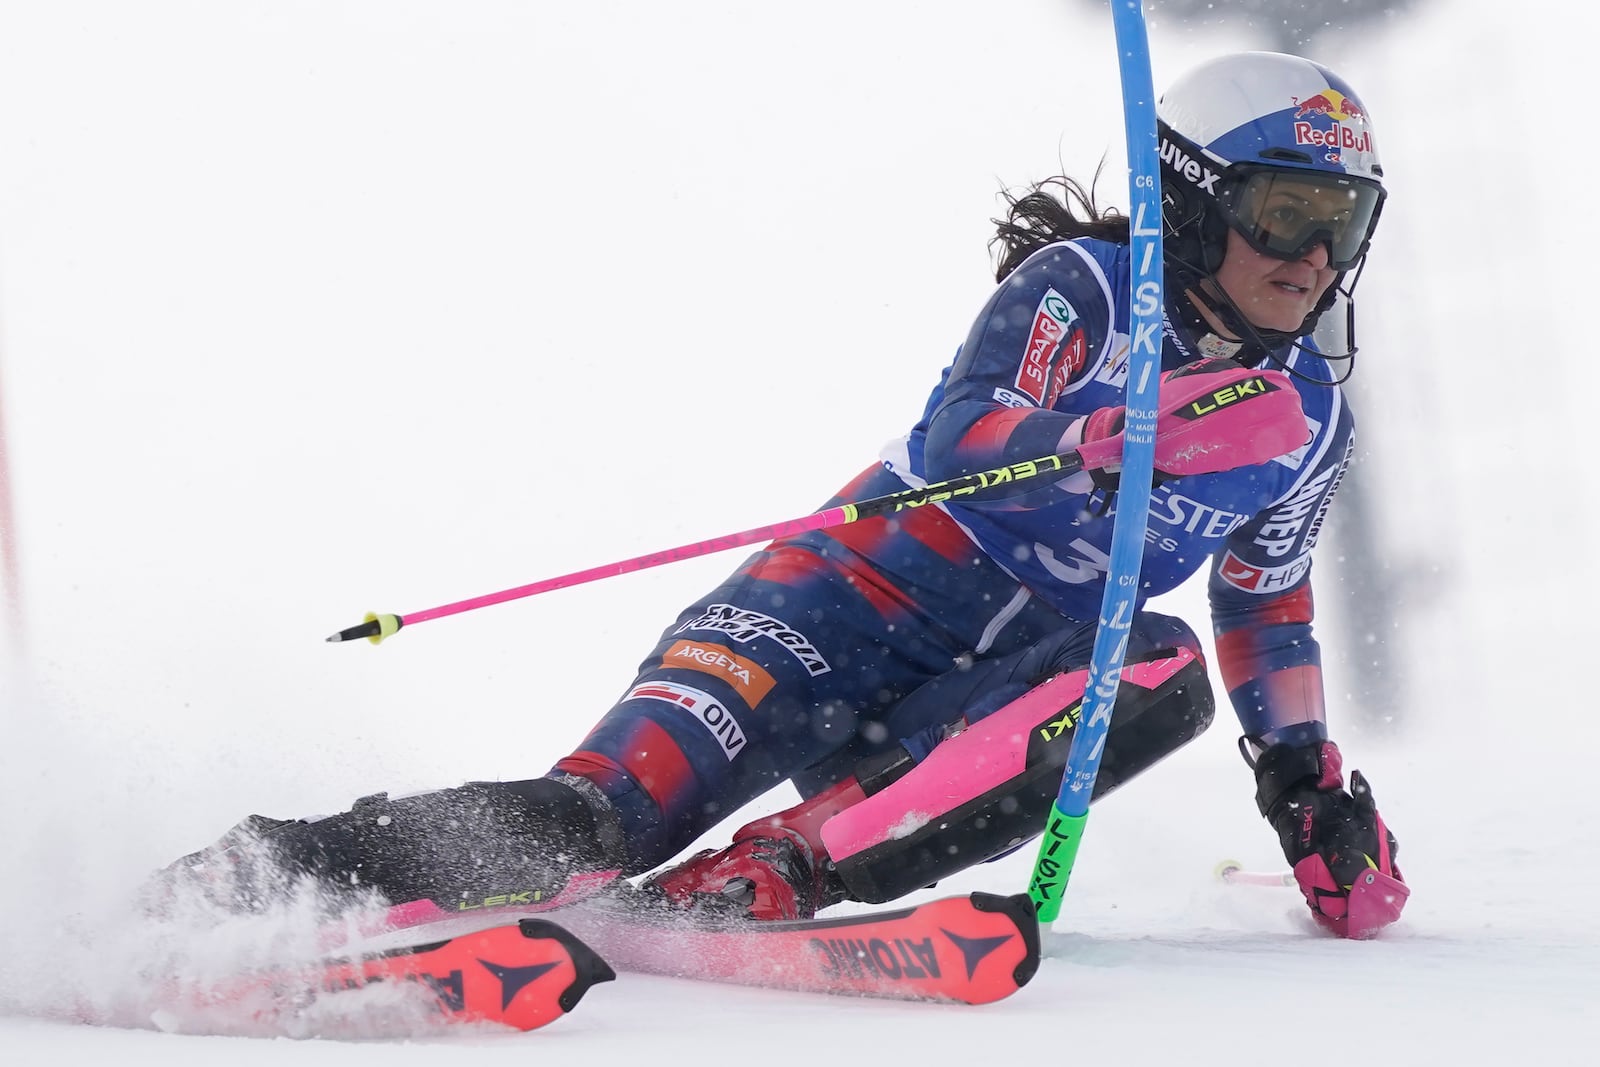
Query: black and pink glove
{"points": [[1213, 415], [1342, 853]]}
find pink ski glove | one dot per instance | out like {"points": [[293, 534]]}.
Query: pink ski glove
{"points": [[1214, 415], [1342, 853]]}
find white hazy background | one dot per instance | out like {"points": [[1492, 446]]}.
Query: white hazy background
{"points": [[313, 308]]}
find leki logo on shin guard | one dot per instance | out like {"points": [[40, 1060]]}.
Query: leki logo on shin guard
{"points": [[1226, 396], [1056, 727]]}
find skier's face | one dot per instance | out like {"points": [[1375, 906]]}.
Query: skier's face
{"points": [[1274, 294]]}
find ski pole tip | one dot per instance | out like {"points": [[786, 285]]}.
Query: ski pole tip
{"points": [[374, 628]]}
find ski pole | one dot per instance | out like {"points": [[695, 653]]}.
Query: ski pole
{"points": [[1058, 849], [1232, 872], [10, 568], [375, 627]]}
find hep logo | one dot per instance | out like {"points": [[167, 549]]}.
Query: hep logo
{"points": [[1332, 103]]}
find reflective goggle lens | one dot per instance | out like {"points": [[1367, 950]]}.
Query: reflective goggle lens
{"points": [[1286, 213]]}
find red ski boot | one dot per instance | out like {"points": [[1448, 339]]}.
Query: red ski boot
{"points": [[776, 867]]}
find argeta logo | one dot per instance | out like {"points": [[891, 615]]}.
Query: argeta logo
{"points": [[748, 678]]}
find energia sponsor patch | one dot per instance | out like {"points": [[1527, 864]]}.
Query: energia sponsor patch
{"points": [[742, 625]]}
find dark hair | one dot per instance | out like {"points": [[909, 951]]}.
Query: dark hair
{"points": [[1041, 217]]}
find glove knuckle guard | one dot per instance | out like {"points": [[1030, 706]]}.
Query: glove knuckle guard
{"points": [[1214, 415]]}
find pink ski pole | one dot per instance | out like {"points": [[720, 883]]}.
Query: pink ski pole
{"points": [[375, 627], [1233, 873]]}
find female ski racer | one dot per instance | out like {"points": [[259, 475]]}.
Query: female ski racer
{"points": [[917, 677]]}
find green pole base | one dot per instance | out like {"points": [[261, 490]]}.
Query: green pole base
{"points": [[1058, 851]]}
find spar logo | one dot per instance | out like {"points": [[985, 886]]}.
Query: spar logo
{"points": [[717, 720], [1055, 351], [1331, 104]]}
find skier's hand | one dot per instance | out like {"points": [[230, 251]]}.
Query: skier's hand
{"points": [[1342, 853], [1213, 415]]}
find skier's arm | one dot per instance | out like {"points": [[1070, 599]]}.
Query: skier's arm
{"points": [[1009, 398], [1044, 328], [1341, 850], [1270, 663], [1262, 607]]}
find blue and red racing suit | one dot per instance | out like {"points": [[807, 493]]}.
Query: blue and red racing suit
{"points": [[799, 664]]}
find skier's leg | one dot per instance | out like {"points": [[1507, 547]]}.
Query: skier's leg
{"points": [[772, 672], [799, 655], [987, 786], [741, 693], [500, 842], [979, 769]]}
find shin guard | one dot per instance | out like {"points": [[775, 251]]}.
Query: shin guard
{"points": [[988, 789]]}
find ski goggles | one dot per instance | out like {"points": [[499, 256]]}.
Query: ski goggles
{"points": [[1285, 213]]}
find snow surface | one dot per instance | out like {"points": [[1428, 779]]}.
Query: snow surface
{"points": [[311, 308]]}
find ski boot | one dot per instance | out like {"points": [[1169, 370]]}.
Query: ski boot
{"points": [[775, 869], [483, 844]]}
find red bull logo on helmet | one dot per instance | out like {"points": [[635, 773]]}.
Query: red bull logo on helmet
{"points": [[1341, 138], [1331, 104]]}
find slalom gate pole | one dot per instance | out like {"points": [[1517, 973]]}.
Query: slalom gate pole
{"points": [[376, 627], [10, 566], [1058, 849]]}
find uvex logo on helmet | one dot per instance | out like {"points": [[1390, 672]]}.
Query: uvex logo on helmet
{"points": [[1192, 170]]}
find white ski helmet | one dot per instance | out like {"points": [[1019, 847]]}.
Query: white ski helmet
{"points": [[1241, 128]]}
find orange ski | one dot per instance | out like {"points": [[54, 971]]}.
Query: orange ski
{"points": [[973, 949], [524, 975]]}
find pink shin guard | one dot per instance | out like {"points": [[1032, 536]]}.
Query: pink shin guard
{"points": [[973, 797]]}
